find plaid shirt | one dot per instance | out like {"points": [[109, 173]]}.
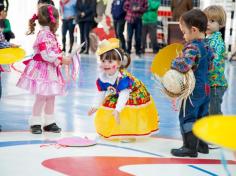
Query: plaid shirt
{"points": [[131, 15], [190, 56]]}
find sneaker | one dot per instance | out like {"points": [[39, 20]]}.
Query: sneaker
{"points": [[52, 128], [36, 129]]}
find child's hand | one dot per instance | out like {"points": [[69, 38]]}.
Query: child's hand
{"points": [[14, 45], [92, 110], [174, 105], [116, 115], [66, 60]]}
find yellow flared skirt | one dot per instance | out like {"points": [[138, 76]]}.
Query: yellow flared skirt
{"points": [[134, 121]]}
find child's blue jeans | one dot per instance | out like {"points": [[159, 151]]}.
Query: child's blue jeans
{"points": [[216, 98]]}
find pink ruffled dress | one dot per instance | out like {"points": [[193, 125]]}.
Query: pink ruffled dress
{"points": [[42, 74]]}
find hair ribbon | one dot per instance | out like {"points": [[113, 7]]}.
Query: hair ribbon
{"points": [[50, 11], [34, 17]]}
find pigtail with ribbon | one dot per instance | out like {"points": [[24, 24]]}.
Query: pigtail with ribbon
{"points": [[32, 24]]}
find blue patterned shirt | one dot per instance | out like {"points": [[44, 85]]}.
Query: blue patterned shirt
{"points": [[216, 74]]}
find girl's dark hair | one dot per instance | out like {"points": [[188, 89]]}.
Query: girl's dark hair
{"points": [[2, 7], [46, 2], [44, 19], [113, 55], [195, 18]]}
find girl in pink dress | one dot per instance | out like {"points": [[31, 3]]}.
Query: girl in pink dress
{"points": [[42, 75]]}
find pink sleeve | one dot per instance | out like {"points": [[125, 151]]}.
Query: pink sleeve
{"points": [[48, 48]]}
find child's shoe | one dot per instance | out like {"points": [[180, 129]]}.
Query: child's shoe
{"points": [[183, 152], [203, 147], [52, 128], [36, 129]]}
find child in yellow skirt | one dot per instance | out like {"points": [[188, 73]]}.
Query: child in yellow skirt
{"points": [[124, 108]]}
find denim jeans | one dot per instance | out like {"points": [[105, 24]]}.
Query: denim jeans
{"points": [[68, 25], [119, 30], [136, 28], [85, 28], [216, 98], [150, 29], [196, 108]]}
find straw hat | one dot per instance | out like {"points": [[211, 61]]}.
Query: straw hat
{"points": [[107, 45], [178, 85]]}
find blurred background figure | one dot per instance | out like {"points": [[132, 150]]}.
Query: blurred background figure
{"points": [[178, 7], [86, 12], [68, 14], [118, 15], [5, 3], [134, 11], [5, 25], [149, 20]]}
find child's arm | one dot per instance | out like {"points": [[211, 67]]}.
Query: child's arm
{"points": [[122, 100], [4, 44], [188, 59]]}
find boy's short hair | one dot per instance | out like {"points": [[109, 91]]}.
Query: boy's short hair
{"points": [[216, 13], [195, 18]]}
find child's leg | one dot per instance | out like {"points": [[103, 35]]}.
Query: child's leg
{"points": [[49, 120], [187, 117], [38, 105], [203, 112], [216, 98], [49, 110], [36, 121]]}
